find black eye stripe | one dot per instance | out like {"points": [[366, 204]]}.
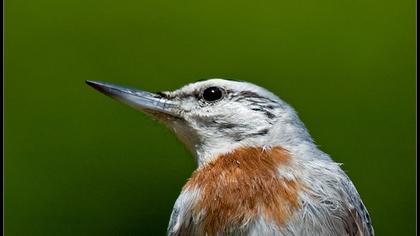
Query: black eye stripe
{"points": [[212, 94]]}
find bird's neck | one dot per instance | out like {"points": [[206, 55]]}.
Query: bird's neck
{"points": [[207, 148], [207, 152]]}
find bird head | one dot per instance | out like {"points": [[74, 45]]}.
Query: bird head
{"points": [[215, 116]]}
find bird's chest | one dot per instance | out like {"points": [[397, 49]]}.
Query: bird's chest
{"points": [[231, 194]]}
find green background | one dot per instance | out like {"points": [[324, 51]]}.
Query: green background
{"points": [[78, 163]]}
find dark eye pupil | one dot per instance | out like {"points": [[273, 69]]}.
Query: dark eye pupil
{"points": [[212, 94]]}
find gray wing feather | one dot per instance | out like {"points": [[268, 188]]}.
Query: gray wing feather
{"points": [[358, 222]]}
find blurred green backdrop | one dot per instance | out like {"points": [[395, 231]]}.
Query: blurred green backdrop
{"points": [[78, 163]]}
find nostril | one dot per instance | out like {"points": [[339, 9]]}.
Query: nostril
{"points": [[162, 94]]}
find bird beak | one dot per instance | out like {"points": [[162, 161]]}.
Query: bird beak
{"points": [[150, 103]]}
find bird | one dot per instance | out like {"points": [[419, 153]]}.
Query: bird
{"points": [[259, 172]]}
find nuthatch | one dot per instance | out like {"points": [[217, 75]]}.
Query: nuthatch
{"points": [[259, 171]]}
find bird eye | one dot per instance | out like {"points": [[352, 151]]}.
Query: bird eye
{"points": [[212, 94]]}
